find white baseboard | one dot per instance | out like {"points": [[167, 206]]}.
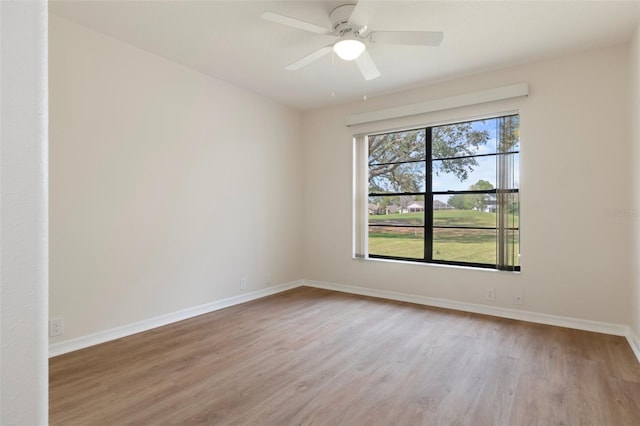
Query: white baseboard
{"points": [[71, 345], [560, 321], [634, 342]]}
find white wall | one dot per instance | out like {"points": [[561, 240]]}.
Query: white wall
{"points": [[167, 186], [635, 126], [575, 165], [23, 247]]}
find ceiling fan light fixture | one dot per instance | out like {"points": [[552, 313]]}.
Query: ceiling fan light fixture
{"points": [[349, 49]]}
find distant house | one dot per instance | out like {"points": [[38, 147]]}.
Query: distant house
{"points": [[374, 208], [491, 206], [416, 206]]}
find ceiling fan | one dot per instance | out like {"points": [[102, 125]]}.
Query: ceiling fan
{"points": [[349, 25]]}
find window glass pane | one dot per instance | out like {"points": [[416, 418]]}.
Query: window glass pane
{"points": [[397, 147], [464, 139], [465, 245], [464, 173], [398, 242], [404, 177], [471, 218], [477, 137], [396, 210]]}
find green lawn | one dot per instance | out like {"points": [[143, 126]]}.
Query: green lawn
{"points": [[462, 245]]}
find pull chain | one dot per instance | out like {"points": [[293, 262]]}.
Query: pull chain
{"points": [[333, 74], [364, 89]]}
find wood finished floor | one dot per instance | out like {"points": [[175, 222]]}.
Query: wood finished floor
{"points": [[315, 357]]}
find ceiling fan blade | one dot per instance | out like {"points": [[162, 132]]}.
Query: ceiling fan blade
{"points": [[294, 23], [309, 58], [367, 66], [363, 12], [411, 38]]}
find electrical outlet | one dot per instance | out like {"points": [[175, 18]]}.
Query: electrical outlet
{"points": [[491, 294], [243, 283], [56, 327], [518, 297]]}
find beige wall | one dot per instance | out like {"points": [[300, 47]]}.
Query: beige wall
{"points": [[167, 186], [635, 126], [575, 167]]}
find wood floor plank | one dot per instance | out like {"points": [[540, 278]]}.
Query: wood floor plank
{"points": [[315, 357]]}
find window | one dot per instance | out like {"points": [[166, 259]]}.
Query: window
{"points": [[444, 194]]}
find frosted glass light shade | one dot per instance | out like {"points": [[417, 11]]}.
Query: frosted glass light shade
{"points": [[348, 49]]}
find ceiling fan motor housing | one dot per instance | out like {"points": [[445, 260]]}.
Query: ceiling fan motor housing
{"points": [[340, 21]]}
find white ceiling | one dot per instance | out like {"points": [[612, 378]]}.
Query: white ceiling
{"points": [[228, 40]]}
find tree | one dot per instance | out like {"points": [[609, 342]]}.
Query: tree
{"points": [[457, 140], [509, 133], [390, 166], [395, 159], [480, 201], [460, 202], [385, 202], [473, 201]]}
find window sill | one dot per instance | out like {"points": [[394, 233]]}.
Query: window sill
{"points": [[437, 265]]}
